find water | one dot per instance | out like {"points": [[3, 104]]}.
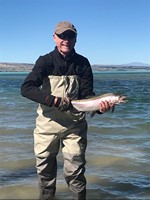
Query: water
{"points": [[118, 153]]}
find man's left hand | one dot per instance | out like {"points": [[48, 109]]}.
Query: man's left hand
{"points": [[106, 106]]}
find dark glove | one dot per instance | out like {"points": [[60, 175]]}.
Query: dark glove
{"points": [[99, 112], [62, 104]]}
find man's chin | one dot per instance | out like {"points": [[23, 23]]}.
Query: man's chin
{"points": [[65, 51]]}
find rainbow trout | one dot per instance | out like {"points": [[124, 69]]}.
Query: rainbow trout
{"points": [[92, 104]]}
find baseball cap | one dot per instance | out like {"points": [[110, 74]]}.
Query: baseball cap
{"points": [[64, 26]]}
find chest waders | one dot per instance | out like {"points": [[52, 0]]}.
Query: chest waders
{"points": [[55, 128]]}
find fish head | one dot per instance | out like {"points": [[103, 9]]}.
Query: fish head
{"points": [[123, 99]]}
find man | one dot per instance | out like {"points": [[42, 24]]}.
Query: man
{"points": [[56, 78]]}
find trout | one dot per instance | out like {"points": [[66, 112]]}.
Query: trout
{"points": [[92, 104]]}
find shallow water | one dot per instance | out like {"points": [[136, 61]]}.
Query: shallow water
{"points": [[118, 152]]}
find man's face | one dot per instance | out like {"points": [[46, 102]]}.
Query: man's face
{"points": [[65, 42]]}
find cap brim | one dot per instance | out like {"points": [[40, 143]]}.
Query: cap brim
{"points": [[65, 29]]}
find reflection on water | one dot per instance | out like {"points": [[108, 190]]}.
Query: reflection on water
{"points": [[108, 177], [30, 192]]}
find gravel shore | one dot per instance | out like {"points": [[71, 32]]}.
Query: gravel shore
{"points": [[27, 67], [15, 67]]}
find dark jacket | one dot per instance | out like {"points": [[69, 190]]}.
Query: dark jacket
{"points": [[54, 64]]}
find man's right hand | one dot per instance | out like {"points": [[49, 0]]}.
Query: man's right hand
{"points": [[62, 104]]}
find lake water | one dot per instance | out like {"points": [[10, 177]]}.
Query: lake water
{"points": [[118, 152]]}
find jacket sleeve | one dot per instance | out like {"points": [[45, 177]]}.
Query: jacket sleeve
{"points": [[86, 87], [31, 85]]}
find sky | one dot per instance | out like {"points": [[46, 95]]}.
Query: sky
{"points": [[109, 31]]}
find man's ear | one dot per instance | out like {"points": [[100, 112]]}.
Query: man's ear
{"points": [[54, 37], [76, 39]]}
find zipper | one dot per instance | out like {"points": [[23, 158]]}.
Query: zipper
{"points": [[65, 82]]}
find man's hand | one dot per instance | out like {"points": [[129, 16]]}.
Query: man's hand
{"points": [[106, 106], [62, 104]]}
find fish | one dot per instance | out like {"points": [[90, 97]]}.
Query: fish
{"points": [[92, 104]]}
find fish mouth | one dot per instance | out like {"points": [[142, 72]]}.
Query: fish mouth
{"points": [[123, 99]]}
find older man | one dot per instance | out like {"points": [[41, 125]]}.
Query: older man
{"points": [[56, 78]]}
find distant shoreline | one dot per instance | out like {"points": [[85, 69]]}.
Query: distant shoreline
{"points": [[23, 67], [15, 67]]}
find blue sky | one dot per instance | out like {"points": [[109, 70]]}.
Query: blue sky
{"points": [[109, 31]]}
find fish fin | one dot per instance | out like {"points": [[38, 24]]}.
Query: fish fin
{"points": [[113, 108], [92, 113]]}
